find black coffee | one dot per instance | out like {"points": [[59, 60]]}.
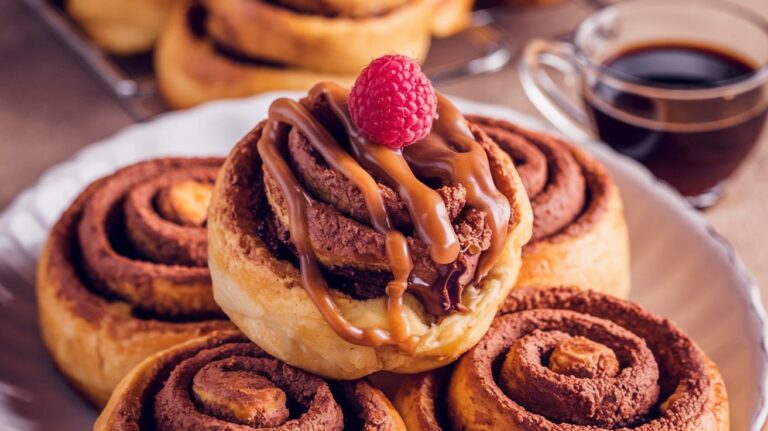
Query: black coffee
{"points": [[693, 145], [679, 66]]}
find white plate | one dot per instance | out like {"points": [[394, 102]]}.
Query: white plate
{"points": [[681, 268]]}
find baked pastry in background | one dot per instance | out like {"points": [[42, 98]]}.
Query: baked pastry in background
{"points": [[214, 49], [451, 16], [579, 233], [315, 231], [563, 358], [448, 17], [121, 27], [270, 32], [223, 381], [124, 273], [191, 68]]}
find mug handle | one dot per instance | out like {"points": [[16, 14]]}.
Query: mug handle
{"points": [[545, 94]]}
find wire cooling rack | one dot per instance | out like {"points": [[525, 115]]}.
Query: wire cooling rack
{"points": [[485, 47]]}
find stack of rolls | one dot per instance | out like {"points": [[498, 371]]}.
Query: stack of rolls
{"points": [[357, 231], [579, 233], [214, 49], [132, 27], [124, 273], [467, 195]]}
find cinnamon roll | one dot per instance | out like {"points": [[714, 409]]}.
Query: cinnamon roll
{"points": [[119, 26], [316, 232], [565, 359], [124, 273], [579, 232], [213, 49], [223, 381]]}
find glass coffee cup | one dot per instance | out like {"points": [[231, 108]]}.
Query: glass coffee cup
{"points": [[680, 86]]}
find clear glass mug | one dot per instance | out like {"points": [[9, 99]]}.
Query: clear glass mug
{"points": [[692, 138]]}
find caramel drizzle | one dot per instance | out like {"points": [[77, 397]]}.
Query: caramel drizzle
{"points": [[467, 164], [452, 154]]}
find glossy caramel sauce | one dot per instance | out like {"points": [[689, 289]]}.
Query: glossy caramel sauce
{"points": [[449, 153]]}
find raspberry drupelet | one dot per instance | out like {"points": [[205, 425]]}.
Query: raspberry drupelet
{"points": [[392, 102]]}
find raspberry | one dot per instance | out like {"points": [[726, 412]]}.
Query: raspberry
{"points": [[392, 102]]}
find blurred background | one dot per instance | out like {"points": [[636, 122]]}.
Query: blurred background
{"points": [[53, 101]]}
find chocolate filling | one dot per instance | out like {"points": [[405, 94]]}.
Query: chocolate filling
{"points": [[351, 253], [197, 19], [561, 357], [227, 382], [113, 245]]}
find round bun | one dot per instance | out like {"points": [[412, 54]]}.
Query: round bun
{"points": [[562, 358], [106, 302], [263, 295], [223, 381], [121, 27], [580, 235], [190, 68], [234, 48]]}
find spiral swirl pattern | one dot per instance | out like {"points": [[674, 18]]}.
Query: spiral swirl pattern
{"points": [[561, 359], [578, 216], [568, 191], [352, 252], [223, 381], [227, 48], [125, 271], [142, 237]]}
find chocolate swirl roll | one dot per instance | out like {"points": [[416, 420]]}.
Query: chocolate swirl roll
{"points": [[124, 273], [565, 359], [212, 49], [369, 258], [579, 232], [223, 381]]}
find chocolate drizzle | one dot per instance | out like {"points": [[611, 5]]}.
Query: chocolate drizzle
{"points": [[450, 154]]}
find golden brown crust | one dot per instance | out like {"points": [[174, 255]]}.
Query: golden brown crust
{"points": [[450, 16], [223, 381], [585, 245], [658, 365], [94, 337], [121, 27], [237, 48], [258, 290], [326, 44], [190, 70]]}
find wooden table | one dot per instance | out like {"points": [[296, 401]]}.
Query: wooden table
{"points": [[50, 106]]}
